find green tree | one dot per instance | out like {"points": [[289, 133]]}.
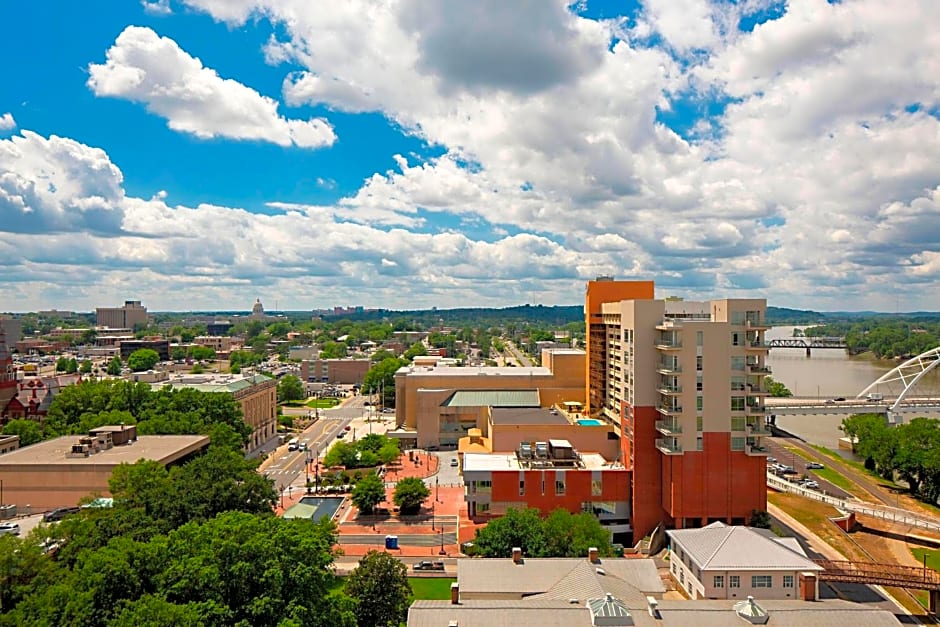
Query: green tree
{"points": [[416, 349], [760, 519], [379, 586], [143, 359], [86, 366], [333, 350], [381, 376], [89, 336], [571, 535], [517, 528], [29, 431], [290, 388], [381, 354], [368, 492], [410, 494], [776, 388], [202, 353]]}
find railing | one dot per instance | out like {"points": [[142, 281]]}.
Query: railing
{"points": [[879, 574], [665, 344], [892, 514], [668, 408], [669, 368], [668, 446], [670, 389], [668, 427], [758, 369], [758, 428], [756, 450]]}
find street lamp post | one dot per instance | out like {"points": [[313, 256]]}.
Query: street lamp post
{"points": [[437, 485], [433, 528], [442, 552]]}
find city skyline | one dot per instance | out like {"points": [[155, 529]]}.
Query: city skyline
{"points": [[195, 154]]}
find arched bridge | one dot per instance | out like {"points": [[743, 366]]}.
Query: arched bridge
{"points": [[807, 342], [908, 374]]}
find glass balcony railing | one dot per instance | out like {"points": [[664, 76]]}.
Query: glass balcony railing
{"points": [[669, 446], [668, 427]]}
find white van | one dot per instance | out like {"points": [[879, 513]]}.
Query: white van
{"points": [[293, 445], [876, 396]]}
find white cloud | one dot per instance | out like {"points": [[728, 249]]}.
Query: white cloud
{"points": [[156, 7], [143, 67], [815, 186], [7, 122]]}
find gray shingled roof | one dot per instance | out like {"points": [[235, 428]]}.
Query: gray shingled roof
{"points": [[493, 398], [701, 613], [720, 547], [560, 578]]}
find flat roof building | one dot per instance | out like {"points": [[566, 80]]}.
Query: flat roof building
{"points": [[62, 471], [127, 317]]}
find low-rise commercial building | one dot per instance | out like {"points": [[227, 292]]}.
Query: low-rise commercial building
{"points": [[335, 371], [62, 471], [256, 395], [429, 412], [160, 345], [722, 562]]}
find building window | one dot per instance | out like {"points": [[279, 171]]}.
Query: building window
{"points": [[737, 444], [482, 508], [737, 403], [699, 443], [762, 581], [698, 362], [682, 576], [699, 338], [596, 488], [734, 581], [788, 581], [698, 383], [521, 487], [699, 423], [673, 568], [559, 486], [719, 581], [699, 403], [737, 363], [484, 486]]}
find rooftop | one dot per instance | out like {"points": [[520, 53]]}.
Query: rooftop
{"points": [[720, 547], [493, 398], [161, 448], [527, 416], [469, 371], [575, 613], [509, 461], [216, 382]]}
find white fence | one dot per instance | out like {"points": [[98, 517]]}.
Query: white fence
{"points": [[883, 512]]}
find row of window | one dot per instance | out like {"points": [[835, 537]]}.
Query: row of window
{"points": [[757, 581], [486, 486]]}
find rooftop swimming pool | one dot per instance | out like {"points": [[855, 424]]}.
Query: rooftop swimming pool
{"points": [[589, 422]]}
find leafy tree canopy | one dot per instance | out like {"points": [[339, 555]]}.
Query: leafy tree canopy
{"points": [[143, 359], [410, 494], [379, 586], [368, 492]]}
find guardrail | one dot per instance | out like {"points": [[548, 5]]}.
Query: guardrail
{"points": [[892, 514]]}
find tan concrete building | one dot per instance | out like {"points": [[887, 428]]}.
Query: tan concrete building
{"points": [[126, 317], [337, 371], [60, 472], [431, 411], [256, 395], [218, 343]]}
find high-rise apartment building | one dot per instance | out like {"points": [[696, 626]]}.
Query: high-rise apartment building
{"points": [[126, 317], [684, 382]]}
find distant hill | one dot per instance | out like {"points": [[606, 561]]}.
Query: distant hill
{"points": [[784, 315]]}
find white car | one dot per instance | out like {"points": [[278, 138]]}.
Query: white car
{"points": [[9, 528]]}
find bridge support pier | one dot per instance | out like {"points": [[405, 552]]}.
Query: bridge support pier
{"points": [[809, 351], [934, 601]]}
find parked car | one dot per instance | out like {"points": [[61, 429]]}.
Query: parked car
{"points": [[59, 513], [771, 460], [9, 528], [811, 485], [814, 466], [428, 565], [839, 399], [788, 470], [454, 462], [341, 434]]}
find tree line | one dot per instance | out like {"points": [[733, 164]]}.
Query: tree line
{"points": [[885, 338], [909, 450]]}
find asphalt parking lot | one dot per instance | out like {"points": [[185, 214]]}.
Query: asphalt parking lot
{"points": [[786, 457]]}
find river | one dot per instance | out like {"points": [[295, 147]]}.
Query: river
{"points": [[830, 373]]}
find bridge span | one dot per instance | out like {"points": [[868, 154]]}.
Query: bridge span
{"points": [[798, 406]]}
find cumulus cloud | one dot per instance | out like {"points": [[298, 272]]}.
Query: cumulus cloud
{"points": [[143, 67], [802, 167], [156, 7], [7, 122]]}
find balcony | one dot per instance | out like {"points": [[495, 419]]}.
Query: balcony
{"points": [[669, 324], [757, 325], [670, 409], [755, 410], [669, 446], [757, 369], [754, 448], [670, 389], [668, 427], [756, 390], [667, 345], [669, 368], [758, 428], [756, 346]]}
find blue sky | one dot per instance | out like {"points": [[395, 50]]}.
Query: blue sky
{"points": [[197, 154]]}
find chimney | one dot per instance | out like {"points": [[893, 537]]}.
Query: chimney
{"points": [[592, 555], [454, 593], [652, 606], [516, 555]]}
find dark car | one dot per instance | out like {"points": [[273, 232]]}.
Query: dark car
{"points": [[427, 565], [59, 513]]}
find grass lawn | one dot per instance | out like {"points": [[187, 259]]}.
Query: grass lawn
{"points": [[322, 403], [933, 557], [431, 588], [815, 516]]}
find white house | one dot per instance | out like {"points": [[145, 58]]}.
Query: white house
{"points": [[722, 562]]}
